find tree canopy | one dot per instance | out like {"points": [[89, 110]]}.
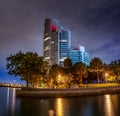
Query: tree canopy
{"points": [[68, 65], [36, 71], [80, 71], [96, 65], [26, 65]]}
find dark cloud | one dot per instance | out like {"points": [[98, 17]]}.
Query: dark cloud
{"points": [[94, 24], [102, 15], [107, 50]]}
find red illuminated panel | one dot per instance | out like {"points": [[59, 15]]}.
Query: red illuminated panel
{"points": [[53, 28]]}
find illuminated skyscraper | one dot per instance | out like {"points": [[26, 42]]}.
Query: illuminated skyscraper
{"points": [[79, 55], [64, 46], [57, 45], [51, 37]]}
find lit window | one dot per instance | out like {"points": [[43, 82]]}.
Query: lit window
{"points": [[47, 48], [46, 38], [52, 42]]}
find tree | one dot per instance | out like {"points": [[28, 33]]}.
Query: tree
{"points": [[27, 66], [96, 65], [117, 70], [67, 80], [13, 63], [56, 75], [68, 65], [80, 71], [114, 69]]}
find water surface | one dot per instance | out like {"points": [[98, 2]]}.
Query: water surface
{"points": [[104, 105]]}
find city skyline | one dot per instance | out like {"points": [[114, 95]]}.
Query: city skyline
{"points": [[57, 45], [94, 24]]}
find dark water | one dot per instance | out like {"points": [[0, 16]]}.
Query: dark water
{"points": [[105, 105]]}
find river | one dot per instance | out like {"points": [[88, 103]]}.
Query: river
{"points": [[103, 105]]}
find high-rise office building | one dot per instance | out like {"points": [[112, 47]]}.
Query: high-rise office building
{"points": [[51, 37], [64, 46], [57, 45], [86, 59], [79, 55]]}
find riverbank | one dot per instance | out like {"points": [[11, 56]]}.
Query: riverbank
{"points": [[11, 85], [73, 92]]}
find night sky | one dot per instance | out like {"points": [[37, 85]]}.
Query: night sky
{"points": [[94, 24]]}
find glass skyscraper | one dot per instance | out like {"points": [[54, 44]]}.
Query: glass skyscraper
{"points": [[64, 46], [79, 55], [57, 45], [51, 36]]}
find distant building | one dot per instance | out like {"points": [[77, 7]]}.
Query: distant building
{"points": [[57, 45], [79, 55]]}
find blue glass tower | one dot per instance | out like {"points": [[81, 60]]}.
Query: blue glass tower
{"points": [[64, 45], [86, 59], [79, 55]]}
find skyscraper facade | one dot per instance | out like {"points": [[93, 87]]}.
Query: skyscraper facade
{"points": [[51, 36], [79, 55], [64, 45], [75, 56], [86, 59]]}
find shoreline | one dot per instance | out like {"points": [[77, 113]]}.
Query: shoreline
{"points": [[72, 92]]}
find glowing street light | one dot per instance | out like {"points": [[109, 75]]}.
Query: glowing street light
{"points": [[59, 78], [106, 75]]}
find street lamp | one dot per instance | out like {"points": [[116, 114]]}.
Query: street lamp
{"points": [[59, 78]]}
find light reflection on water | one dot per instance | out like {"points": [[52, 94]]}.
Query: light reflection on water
{"points": [[106, 105], [8, 92], [10, 101], [109, 111], [13, 101], [62, 107], [59, 106]]}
